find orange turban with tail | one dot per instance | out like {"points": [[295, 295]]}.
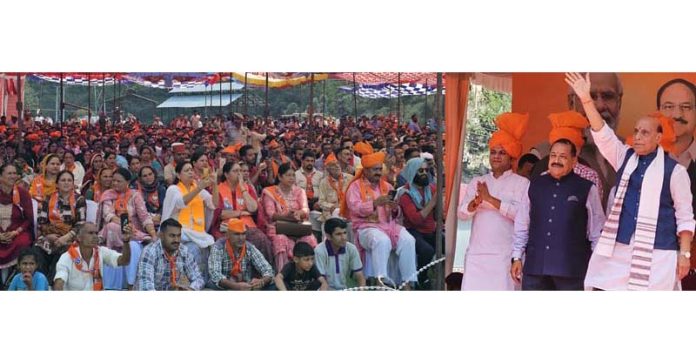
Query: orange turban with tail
{"points": [[669, 137], [511, 127], [568, 125], [363, 148]]}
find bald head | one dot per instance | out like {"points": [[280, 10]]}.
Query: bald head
{"points": [[606, 91]]}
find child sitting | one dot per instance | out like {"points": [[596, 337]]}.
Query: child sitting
{"points": [[28, 278], [301, 274]]}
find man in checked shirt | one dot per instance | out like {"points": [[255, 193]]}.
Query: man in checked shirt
{"points": [[235, 264], [165, 266]]}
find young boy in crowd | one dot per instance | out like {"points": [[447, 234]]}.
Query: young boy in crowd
{"points": [[301, 274], [28, 278], [337, 259]]}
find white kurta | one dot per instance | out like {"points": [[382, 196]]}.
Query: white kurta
{"points": [[612, 273], [487, 261], [174, 202]]}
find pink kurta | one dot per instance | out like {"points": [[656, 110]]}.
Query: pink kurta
{"points": [[138, 217], [282, 244], [360, 210]]}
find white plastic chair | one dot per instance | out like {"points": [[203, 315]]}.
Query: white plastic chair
{"points": [[35, 206], [92, 207]]}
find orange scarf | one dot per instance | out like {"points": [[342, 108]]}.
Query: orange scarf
{"points": [[310, 185], [172, 268], [275, 165], [121, 203], [95, 271], [278, 197], [16, 196], [40, 188], [53, 212], [237, 203], [338, 188], [365, 189], [236, 262], [193, 215]]}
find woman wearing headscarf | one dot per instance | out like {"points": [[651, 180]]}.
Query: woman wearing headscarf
{"points": [[45, 184], [104, 178], [153, 192], [57, 218], [96, 163]]}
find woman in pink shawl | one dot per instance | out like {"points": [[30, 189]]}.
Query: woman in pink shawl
{"points": [[284, 202], [115, 202]]}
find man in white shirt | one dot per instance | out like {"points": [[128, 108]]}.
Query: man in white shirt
{"points": [[492, 201], [81, 268], [309, 179]]}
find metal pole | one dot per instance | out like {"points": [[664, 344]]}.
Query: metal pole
{"points": [[266, 112], [89, 98], [398, 98], [425, 107], [355, 98], [323, 106], [103, 93], [310, 119], [57, 106], [440, 271], [220, 93], [62, 100], [246, 93], [20, 113], [230, 90]]}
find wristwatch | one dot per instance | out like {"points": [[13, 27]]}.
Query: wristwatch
{"points": [[686, 254], [516, 259]]}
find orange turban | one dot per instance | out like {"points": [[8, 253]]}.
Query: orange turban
{"points": [[374, 159], [273, 144], [363, 148], [55, 134], [232, 149], [236, 225], [669, 137], [330, 159], [511, 127], [33, 137], [568, 125]]}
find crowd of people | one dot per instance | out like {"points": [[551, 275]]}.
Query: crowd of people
{"points": [[233, 202], [587, 210]]}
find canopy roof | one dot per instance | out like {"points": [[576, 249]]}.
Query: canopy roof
{"points": [[190, 101]]}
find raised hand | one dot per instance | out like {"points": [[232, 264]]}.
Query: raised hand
{"points": [[580, 85]]}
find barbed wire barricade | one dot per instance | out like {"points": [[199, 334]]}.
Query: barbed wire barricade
{"points": [[406, 281]]}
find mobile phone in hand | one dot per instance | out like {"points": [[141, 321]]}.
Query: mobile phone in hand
{"points": [[124, 221], [392, 194]]}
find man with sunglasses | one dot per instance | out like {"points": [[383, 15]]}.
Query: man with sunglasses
{"points": [[417, 200]]}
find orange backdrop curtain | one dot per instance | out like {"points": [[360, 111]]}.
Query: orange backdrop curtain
{"points": [[456, 100]]}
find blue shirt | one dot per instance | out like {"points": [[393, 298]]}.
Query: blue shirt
{"points": [[38, 282]]}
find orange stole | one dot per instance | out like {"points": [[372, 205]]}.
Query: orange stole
{"points": [[193, 215]]}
